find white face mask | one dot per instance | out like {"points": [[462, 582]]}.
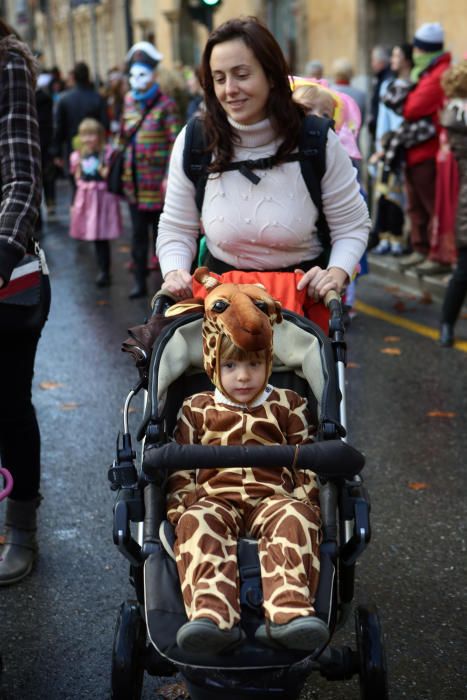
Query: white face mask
{"points": [[141, 77]]}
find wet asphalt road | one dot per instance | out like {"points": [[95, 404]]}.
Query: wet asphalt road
{"points": [[56, 627]]}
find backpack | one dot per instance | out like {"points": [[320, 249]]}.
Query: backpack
{"points": [[311, 154]]}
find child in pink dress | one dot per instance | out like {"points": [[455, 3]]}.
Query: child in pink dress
{"points": [[95, 213]]}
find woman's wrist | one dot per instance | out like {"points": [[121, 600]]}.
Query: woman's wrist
{"points": [[339, 275], [170, 274]]}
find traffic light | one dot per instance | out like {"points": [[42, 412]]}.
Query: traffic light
{"points": [[202, 11]]}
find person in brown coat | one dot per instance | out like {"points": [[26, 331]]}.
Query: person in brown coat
{"points": [[454, 119]]}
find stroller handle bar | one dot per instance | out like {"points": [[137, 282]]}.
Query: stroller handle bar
{"points": [[331, 297], [329, 459]]}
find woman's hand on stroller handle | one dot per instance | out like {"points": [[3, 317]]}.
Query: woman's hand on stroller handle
{"points": [[178, 283], [320, 281]]}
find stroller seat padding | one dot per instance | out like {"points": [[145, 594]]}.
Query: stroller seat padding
{"points": [[165, 614], [294, 349], [165, 610]]}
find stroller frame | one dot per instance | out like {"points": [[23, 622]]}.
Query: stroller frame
{"points": [[345, 511]]}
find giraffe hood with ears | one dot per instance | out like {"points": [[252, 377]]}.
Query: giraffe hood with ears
{"points": [[244, 313]]}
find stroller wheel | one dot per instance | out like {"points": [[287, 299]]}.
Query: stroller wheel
{"points": [[373, 671], [127, 654]]}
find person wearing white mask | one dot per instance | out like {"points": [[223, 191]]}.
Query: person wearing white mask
{"points": [[150, 123]]}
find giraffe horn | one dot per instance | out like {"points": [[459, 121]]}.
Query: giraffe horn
{"points": [[204, 277]]}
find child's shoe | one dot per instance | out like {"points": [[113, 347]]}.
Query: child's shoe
{"points": [[103, 279], [302, 633], [382, 248], [203, 636], [396, 248]]}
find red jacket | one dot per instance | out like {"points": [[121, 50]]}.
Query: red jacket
{"points": [[426, 100]]}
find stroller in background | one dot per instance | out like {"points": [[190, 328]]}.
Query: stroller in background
{"points": [[312, 364]]}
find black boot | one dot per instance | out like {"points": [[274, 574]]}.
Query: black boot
{"points": [[20, 549], [139, 288], [446, 335], [103, 279], [103, 263]]}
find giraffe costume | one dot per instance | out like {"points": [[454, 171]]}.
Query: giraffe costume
{"points": [[210, 509]]}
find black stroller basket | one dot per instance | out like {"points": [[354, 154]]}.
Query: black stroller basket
{"points": [[145, 638]]}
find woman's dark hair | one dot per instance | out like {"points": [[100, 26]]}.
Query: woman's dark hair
{"points": [[6, 30], [16, 44], [285, 115], [407, 50]]}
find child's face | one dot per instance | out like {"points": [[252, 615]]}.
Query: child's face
{"points": [[90, 141], [323, 106], [243, 379]]}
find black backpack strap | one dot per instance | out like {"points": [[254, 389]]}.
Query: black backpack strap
{"points": [[196, 158], [312, 145], [312, 157]]}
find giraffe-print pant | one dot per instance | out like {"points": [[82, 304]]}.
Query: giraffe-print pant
{"points": [[288, 534]]}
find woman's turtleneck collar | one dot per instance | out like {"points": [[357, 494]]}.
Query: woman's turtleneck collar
{"points": [[254, 135]]}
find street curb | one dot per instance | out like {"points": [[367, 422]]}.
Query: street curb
{"points": [[387, 268]]}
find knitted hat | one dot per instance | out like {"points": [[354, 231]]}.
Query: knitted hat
{"points": [[429, 37], [144, 52]]}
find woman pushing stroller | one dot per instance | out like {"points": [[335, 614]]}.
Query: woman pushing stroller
{"points": [[265, 219], [211, 508]]}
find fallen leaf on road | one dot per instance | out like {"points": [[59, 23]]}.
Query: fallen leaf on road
{"points": [[426, 298], [391, 339], [390, 351], [69, 406], [123, 248], [102, 302], [441, 414], [352, 365], [50, 385], [400, 306], [173, 691], [418, 485]]}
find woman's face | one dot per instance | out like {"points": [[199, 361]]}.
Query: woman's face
{"points": [[240, 83], [398, 60]]}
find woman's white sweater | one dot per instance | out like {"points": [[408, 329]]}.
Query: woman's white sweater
{"points": [[266, 226]]}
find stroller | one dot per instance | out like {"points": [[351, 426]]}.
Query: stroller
{"points": [[171, 368]]}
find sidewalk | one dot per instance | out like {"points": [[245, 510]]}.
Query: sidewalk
{"points": [[386, 267]]}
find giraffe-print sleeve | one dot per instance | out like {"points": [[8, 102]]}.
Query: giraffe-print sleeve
{"points": [[299, 426], [183, 482], [300, 430]]}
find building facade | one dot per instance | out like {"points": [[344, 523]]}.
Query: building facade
{"points": [[100, 33]]}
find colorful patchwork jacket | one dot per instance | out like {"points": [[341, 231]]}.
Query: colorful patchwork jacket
{"points": [[147, 156]]}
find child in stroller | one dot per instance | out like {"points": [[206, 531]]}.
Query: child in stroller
{"points": [[146, 634], [210, 509]]}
